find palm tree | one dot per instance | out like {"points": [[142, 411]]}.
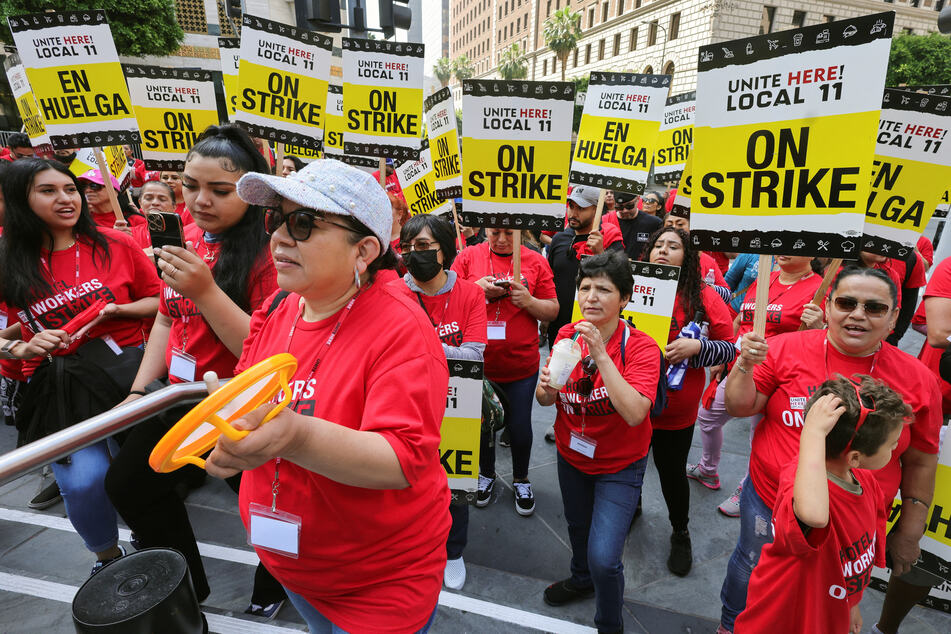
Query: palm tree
{"points": [[443, 70], [562, 30], [462, 68], [512, 64]]}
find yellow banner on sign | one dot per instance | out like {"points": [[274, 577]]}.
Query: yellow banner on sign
{"points": [[904, 193], [526, 172], [444, 150], [231, 92], [459, 449], [383, 112], [657, 327], [615, 143], [116, 161], [173, 131], [79, 95], [32, 121], [280, 95]]}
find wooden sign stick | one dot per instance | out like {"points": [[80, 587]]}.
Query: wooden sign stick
{"points": [[107, 183], [278, 158], [516, 256], [762, 293], [596, 225], [831, 270], [455, 220], [383, 173]]}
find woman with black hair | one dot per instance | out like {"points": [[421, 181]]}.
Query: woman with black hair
{"points": [[291, 164], [696, 301], [209, 290], [56, 263], [456, 308]]}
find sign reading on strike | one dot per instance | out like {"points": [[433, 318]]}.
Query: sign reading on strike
{"points": [[676, 138], [333, 141], [418, 182], [516, 137], [652, 302], [282, 82], [444, 143], [785, 136], [462, 425], [26, 103], [73, 68], [173, 107], [619, 130], [229, 50], [912, 169], [383, 98]]}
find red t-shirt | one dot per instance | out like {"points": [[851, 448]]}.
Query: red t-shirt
{"points": [[190, 332], [925, 249], [796, 364], [515, 357], [619, 444], [107, 220], [127, 276], [938, 286], [370, 560], [458, 316], [707, 264], [610, 233], [723, 262], [809, 582], [392, 184], [682, 404], [784, 308]]}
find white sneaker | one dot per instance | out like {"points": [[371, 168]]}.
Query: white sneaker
{"points": [[454, 577]]}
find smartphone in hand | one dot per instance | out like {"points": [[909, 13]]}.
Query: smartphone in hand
{"points": [[165, 230]]}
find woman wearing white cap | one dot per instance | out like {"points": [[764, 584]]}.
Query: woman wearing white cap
{"points": [[353, 461]]}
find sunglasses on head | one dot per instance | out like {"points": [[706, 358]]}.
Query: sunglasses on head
{"points": [[863, 413], [872, 309], [300, 222]]}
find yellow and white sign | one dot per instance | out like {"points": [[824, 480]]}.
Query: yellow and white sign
{"points": [[462, 425], [382, 98], [26, 104], [784, 138], [418, 182], [676, 138], [116, 161], [516, 139], [229, 50], [283, 76], [333, 140], [73, 68], [912, 169], [681, 206], [619, 130], [444, 143], [173, 107]]}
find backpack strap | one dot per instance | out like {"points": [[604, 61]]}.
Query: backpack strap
{"points": [[280, 297]]}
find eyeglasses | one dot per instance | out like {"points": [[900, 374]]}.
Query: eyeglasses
{"points": [[872, 309], [93, 187], [420, 245], [585, 384], [863, 413], [300, 222], [631, 205], [651, 200]]}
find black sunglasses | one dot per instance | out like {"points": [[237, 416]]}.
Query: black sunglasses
{"points": [[300, 222], [585, 384], [872, 309]]}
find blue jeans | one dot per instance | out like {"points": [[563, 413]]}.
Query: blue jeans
{"points": [[317, 623], [756, 530], [81, 482], [599, 509], [518, 419]]}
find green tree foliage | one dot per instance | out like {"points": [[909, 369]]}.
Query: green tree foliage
{"points": [[139, 27], [562, 30], [443, 70], [513, 65], [919, 59], [462, 68]]}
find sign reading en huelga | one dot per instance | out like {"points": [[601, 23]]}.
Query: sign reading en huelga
{"points": [[785, 136], [912, 169], [516, 139], [676, 138], [942, 90], [333, 138], [418, 181], [462, 425], [173, 107], [618, 131], [73, 68], [282, 82], [444, 143], [26, 103], [229, 50], [382, 98]]}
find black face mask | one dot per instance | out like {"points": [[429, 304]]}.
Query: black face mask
{"points": [[65, 160], [422, 265]]}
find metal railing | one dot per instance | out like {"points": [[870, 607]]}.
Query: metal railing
{"points": [[73, 438]]}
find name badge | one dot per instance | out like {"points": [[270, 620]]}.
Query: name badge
{"points": [[275, 531], [112, 344], [182, 365], [582, 444], [495, 330], [3, 320]]}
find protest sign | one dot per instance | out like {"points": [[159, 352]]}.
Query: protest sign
{"points": [[418, 182], [516, 139], [676, 138], [116, 163], [784, 138], [944, 204], [444, 143], [26, 103], [73, 68], [681, 206], [305, 154], [382, 98], [333, 141], [229, 50], [282, 82], [619, 130], [942, 90], [173, 107], [912, 169], [652, 303], [461, 425]]}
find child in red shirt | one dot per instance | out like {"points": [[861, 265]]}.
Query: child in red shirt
{"points": [[828, 520]]}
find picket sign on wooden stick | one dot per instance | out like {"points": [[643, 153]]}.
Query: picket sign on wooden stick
{"points": [[278, 158], [107, 183], [455, 221], [383, 172], [516, 256], [596, 225], [831, 270], [762, 294]]}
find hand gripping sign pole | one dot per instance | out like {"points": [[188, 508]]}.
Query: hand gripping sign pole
{"points": [[831, 269], [107, 184], [596, 225]]}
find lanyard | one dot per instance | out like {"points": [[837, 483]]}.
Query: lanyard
{"points": [[773, 300], [445, 308], [209, 258], [49, 269]]}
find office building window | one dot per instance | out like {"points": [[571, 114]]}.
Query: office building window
{"points": [[590, 17], [674, 29], [766, 20], [587, 54], [601, 49], [604, 12], [633, 44], [544, 67], [652, 33], [617, 44], [620, 7], [828, 18], [574, 59], [798, 19]]}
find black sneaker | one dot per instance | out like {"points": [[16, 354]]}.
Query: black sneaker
{"points": [[484, 495], [681, 553], [99, 565], [266, 612], [562, 592], [524, 498], [504, 438], [46, 498]]}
